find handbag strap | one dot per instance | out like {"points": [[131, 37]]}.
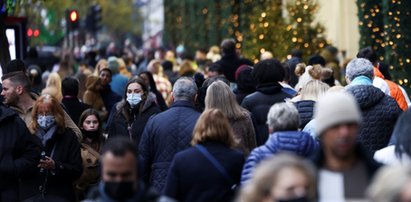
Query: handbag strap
{"points": [[216, 164]]}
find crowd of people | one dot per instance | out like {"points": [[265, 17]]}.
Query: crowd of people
{"points": [[211, 127]]}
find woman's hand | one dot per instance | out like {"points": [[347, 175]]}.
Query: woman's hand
{"points": [[47, 163]]}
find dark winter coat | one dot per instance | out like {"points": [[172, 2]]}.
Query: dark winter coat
{"points": [[74, 107], [145, 194], [372, 166], [259, 103], [118, 124], [68, 167], [300, 143], [230, 63], [166, 134], [380, 113], [192, 177], [19, 153], [109, 97], [306, 111]]}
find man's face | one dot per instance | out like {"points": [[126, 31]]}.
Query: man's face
{"points": [[105, 77], [340, 140], [119, 168], [10, 92]]}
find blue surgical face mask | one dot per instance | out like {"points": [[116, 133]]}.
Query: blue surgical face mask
{"points": [[133, 99], [46, 121]]}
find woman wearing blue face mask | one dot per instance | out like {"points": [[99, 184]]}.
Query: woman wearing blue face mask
{"points": [[60, 162], [130, 115]]}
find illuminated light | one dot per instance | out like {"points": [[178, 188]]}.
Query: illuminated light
{"points": [[29, 32], [238, 45], [294, 39], [305, 7], [263, 14], [400, 82], [261, 36], [289, 57], [266, 24], [255, 61], [36, 33], [73, 16], [306, 45], [299, 20], [205, 11], [262, 50], [405, 80], [407, 60]]}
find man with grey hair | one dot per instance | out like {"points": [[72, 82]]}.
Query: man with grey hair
{"points": [[283, 121], [167, 133], [379, 110]]}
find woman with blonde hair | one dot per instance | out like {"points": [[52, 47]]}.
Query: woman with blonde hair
{"points": [[60, 162], [53, 86], [309, 95], [101, 64], [210, 170], [306, 74], [220, 96], [284, 177]]}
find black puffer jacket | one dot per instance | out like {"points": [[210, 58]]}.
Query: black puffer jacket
{"points": [[306, 111], [379, 111], [259, 103]]}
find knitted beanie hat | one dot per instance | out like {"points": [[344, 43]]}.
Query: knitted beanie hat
{"points": [[335, 108]]}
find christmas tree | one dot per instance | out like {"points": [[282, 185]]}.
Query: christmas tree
{"points": [[257, 26], [386, 26]]}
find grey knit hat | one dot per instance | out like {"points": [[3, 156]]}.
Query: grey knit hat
{"points": [[359, 67], [335, 108]]}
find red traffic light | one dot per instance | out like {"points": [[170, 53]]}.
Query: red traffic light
{"points": [[29, 32], [73, 16], [36, 33]]}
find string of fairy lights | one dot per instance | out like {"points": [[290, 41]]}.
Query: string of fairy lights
{"points": [[385, 26]]}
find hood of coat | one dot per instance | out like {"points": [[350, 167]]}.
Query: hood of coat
{"points": [[300, 143], [367, 96], [93, 83]]}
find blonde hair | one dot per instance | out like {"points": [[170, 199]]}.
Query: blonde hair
{"points": [[388, 184], [186, 67], [101, 64], [155, 67], [213, 126], [266, 174], [306, 74], [53, 86], [220, 96], [55, 109], [313, 90], [122, 68]]}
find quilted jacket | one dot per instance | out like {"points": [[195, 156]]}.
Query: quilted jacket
{"points": [[306, 111], [379, 111], [297, 142], [165, 134]]}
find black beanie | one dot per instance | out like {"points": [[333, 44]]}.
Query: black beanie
{"points": [[316, 60], [16, 65], [268, 71]]}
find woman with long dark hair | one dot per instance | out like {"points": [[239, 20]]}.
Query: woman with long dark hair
{"points": [[149, 80], [129, 116]]}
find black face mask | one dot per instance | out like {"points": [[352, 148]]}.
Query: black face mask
{"points": [[119, 191], [299, 199], [89, 134]]}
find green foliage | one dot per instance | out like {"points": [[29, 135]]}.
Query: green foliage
{"points": [[118, 17], [386, 26], [257, 26]]}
